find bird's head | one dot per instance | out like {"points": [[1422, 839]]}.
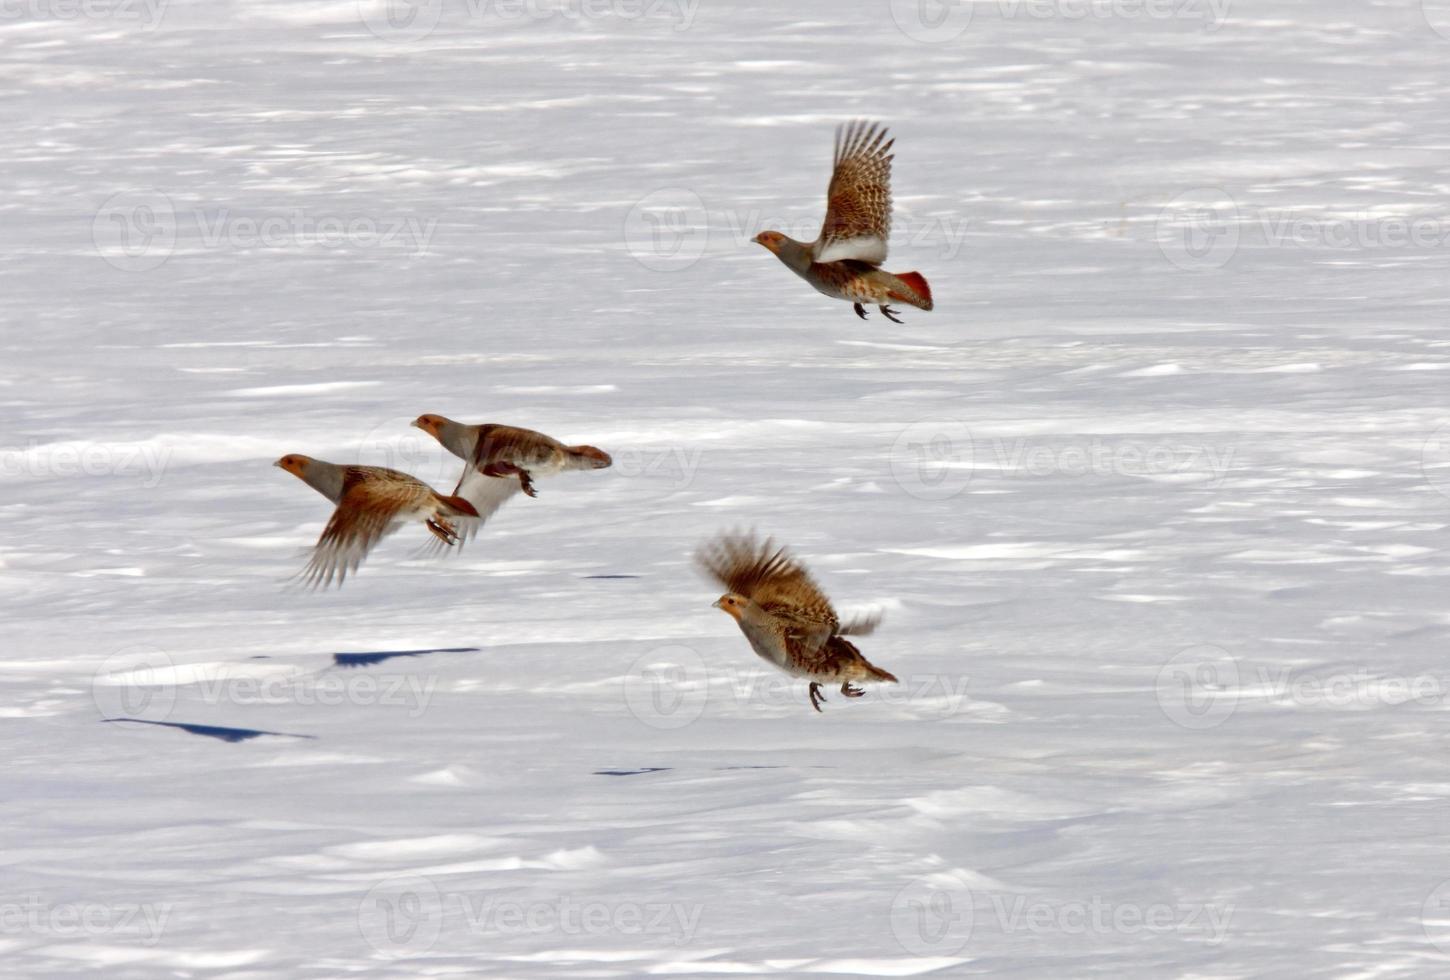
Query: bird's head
{"points": [[734, 604], [591, 458], [431, 424], [772, 240], [294, 463]]}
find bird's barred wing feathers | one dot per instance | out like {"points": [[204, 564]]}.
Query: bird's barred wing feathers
{"points": [[371, 502], [858, 201], [771, 578]]}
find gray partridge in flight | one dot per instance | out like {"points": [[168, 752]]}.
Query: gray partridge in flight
{"points": [[844, 262], [502, 460], [372, 501], [785, 616]]}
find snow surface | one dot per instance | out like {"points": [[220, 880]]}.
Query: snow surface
{"points": [[1154, 502]]}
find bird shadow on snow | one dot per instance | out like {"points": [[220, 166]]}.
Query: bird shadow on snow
{"points": [[210, 731], [646, 770], [381, 656]]}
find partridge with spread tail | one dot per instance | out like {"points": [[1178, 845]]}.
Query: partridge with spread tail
{"points": [[786, 617]]}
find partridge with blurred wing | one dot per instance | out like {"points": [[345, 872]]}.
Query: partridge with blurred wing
{"points": [[786, 617], [372, 501]]}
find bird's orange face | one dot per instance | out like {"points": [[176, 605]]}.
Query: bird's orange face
{"points": [[293, 463], [732, 604], [431, 424], [770, 239]]}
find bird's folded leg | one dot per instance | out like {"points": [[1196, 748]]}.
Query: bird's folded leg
{"points": [[816, 696], [442, 530], [860, 310], [851, 692], [526, 482], [887, 312]]}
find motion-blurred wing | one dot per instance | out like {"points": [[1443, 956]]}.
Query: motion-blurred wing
{"points": [[771, 578], [366, 513]]}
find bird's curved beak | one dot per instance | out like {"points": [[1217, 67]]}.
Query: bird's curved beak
{"points": [[277, 463], [416, 424], [758, 239], [716, 605]]}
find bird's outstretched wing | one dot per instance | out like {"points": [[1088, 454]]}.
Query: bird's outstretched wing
{"points": [[774, 580], [487, 494], [858, 202], [371, 503]]}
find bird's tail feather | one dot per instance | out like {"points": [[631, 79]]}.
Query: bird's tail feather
{"points": [[460, 506], [877, 674], [917, 283]]}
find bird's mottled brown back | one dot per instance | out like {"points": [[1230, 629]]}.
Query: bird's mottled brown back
{"points": [[510, 444]]}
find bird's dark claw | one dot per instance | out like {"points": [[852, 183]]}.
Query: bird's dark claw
{"points": [[501, 469], [887, 312], [443, 531], [860, 310], [816, 696], [851, 692]]}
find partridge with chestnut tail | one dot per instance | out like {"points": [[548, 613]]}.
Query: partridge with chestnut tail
{"points": [[844, 262], [786, 617], [503, 460]]}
